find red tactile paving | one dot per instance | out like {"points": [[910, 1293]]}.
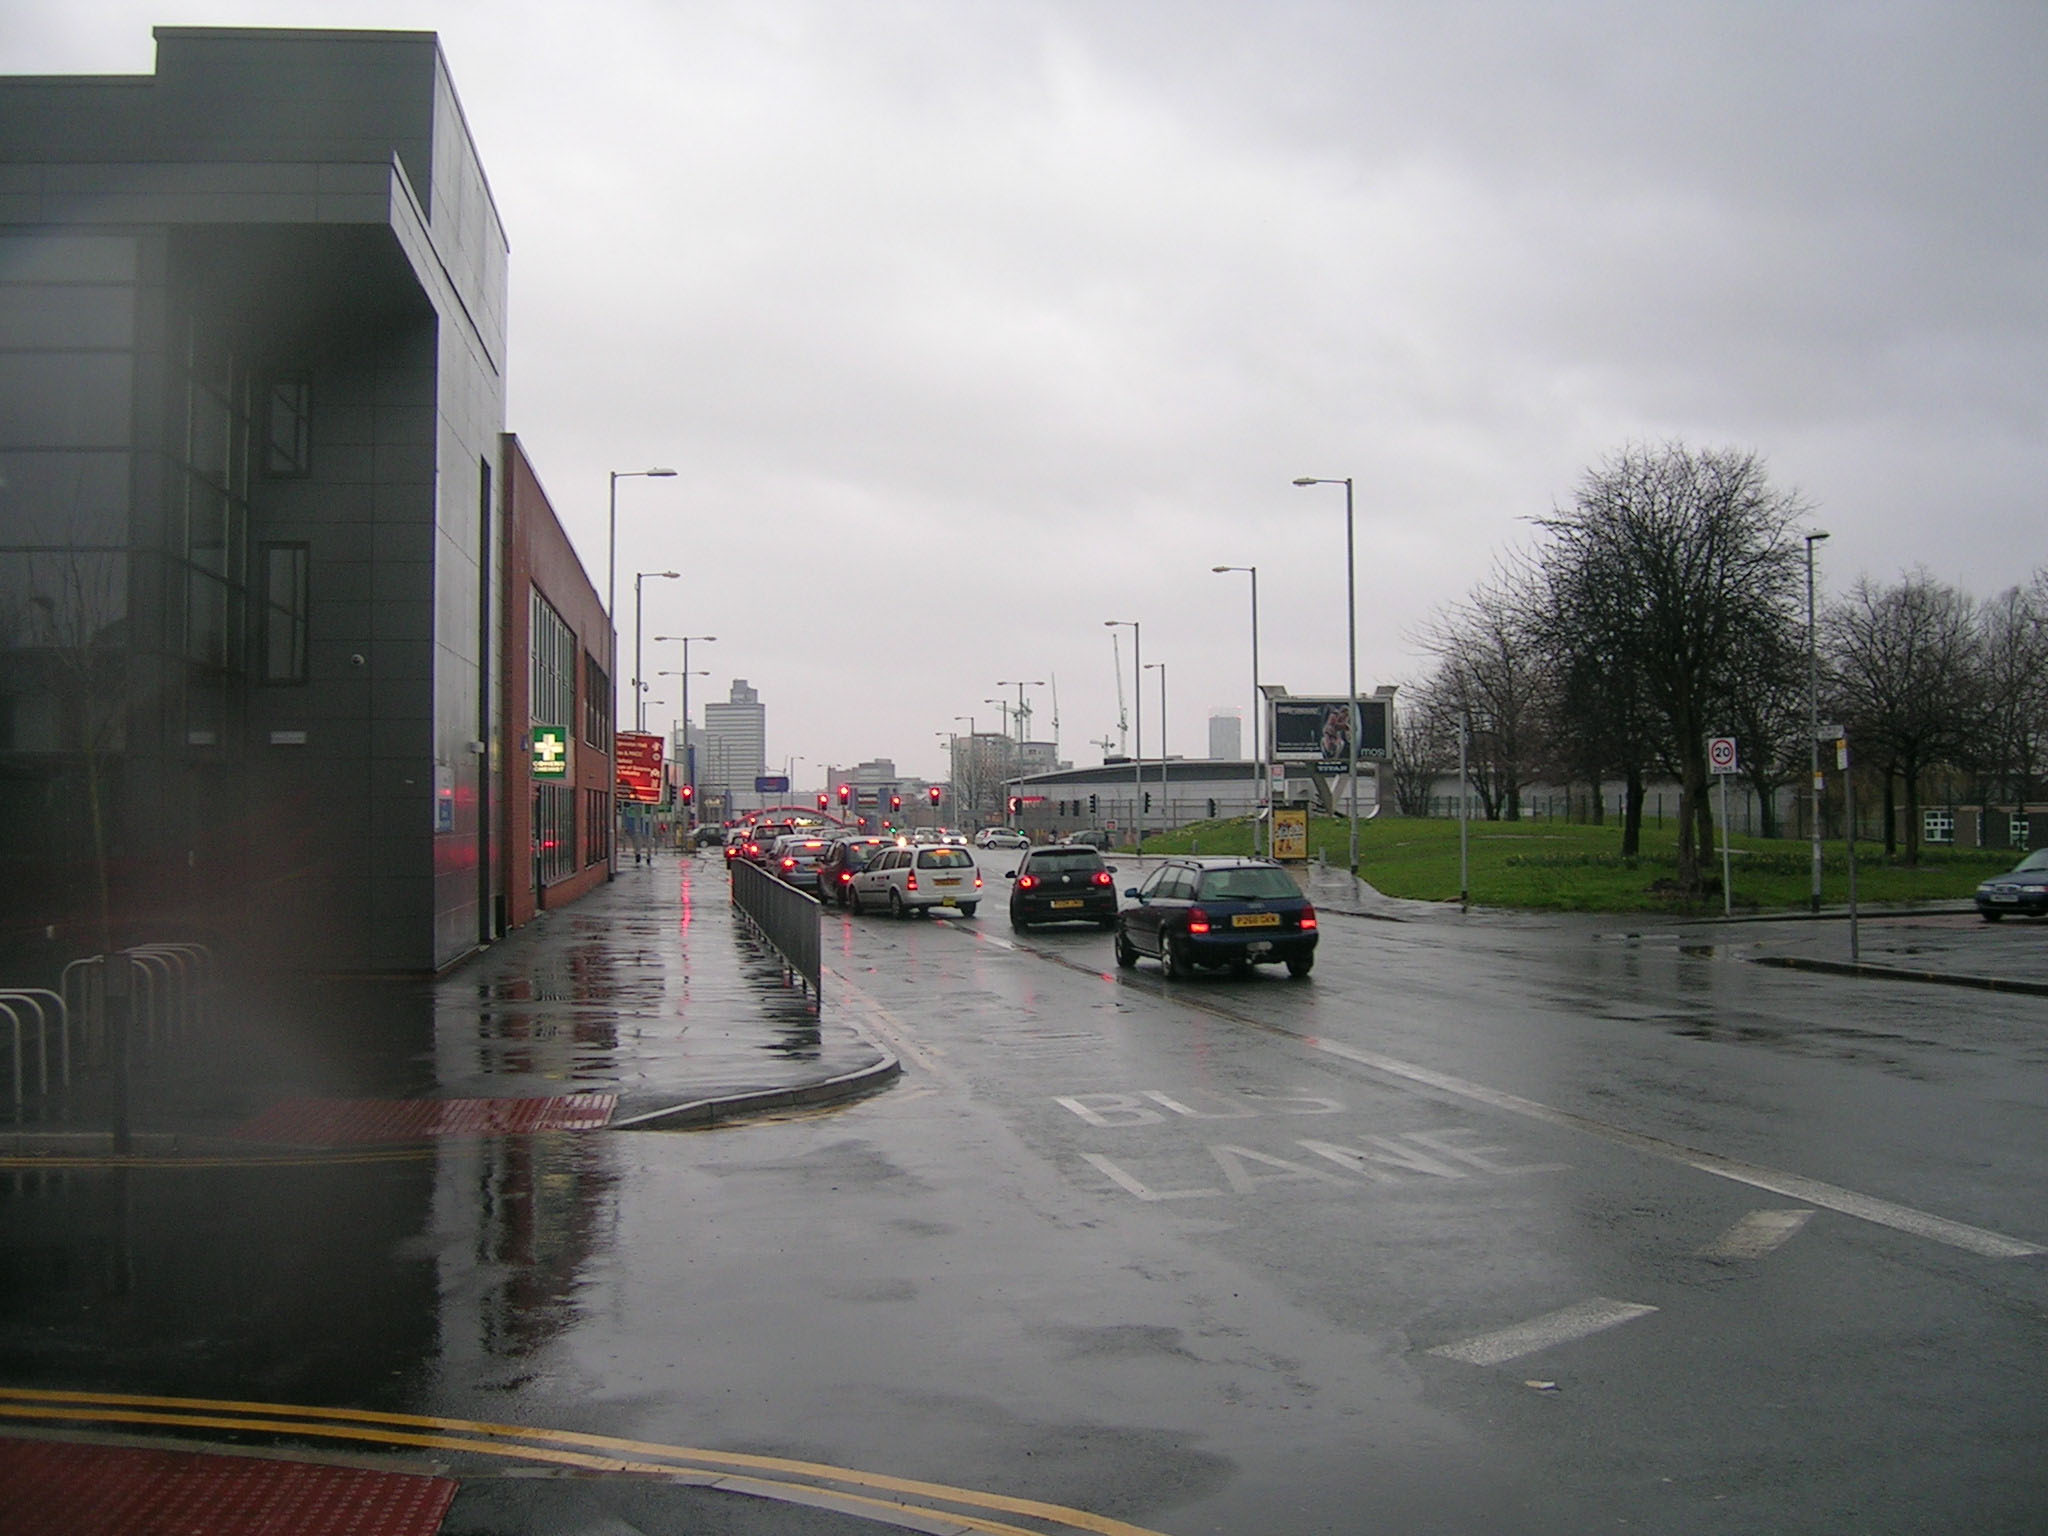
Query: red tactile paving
{"points": [[49, 1488], [349, 1122]]}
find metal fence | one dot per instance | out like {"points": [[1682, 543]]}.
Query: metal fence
{"points": [[783, 916]]}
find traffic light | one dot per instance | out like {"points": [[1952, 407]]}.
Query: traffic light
{"points": [[689, 793], [1016, 804], [895, 802], [934, 793], [823, 800], [845, 794]]}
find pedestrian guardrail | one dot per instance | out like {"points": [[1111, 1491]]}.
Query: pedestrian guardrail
{"points": [[784, 917]]}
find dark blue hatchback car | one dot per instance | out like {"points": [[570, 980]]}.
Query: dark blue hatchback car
{"points": [[1218, 912]]}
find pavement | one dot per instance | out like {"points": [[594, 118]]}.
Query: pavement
{"points": [[649, 1004]]}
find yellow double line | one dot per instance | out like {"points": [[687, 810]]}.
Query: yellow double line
{"points": [[810, 1483]]}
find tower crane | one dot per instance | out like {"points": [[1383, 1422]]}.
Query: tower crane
{"points": [[1123, 719]]}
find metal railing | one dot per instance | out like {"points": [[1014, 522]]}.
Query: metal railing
{"points": [[783, 916], [163, 989]]}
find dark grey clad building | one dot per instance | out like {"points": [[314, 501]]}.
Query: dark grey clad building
{"points": [[252, 357]]}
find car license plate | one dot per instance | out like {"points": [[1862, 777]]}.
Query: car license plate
{"points": [[1256, 920], [1073, 903], [954, 881], [2012, 896]]}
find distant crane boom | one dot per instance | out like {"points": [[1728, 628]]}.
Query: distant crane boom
{"points": [[1123, 718]]}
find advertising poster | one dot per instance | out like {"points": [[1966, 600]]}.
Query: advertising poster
{"points": [[1290, 835], [1318, 730]]}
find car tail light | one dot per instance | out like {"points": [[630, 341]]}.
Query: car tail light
{"points": [[1198, 920], [977, 879], [1027, 882], [845, 878], [911, 883], [789, 863], [1308, 917], [1101, 877]]}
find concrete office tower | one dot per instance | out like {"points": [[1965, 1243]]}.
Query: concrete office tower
{"points": [[252, 364], [1226, 736], [735, 741]]}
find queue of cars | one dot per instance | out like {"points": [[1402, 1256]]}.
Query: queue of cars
{"points": [[1189, 913]]}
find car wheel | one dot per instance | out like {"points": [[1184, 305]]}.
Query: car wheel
{"points": [[896, 907], [853, 901], [1107, 925], [967, 908], [1991, 917], [1018, 921], [1299, 966], [1126, 957], [1173, 956]]}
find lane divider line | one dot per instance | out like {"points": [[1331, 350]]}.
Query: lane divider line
{"points": [[1564, 1326], [1757, 1234]]}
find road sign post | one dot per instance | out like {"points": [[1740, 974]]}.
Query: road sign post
{"points": [[1723, 760]]}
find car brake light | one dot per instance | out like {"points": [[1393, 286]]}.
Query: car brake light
{"points": [[1198, 920], [977, 879], [789, 863], [1026, 882], [911, 883], [1308, 917], [1101, 877]]}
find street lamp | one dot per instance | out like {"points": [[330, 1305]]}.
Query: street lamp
{"points": [[1138, 720], [611, 559], [1165, 816], [972, 776], [1813, 715], [639, 686], [1261, 788], [689, 762], [1351, 645], [1023, 710]]}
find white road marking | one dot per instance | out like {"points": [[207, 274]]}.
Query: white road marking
{"points": [[1757, 1234], [1137, 1187], [1832, 1197], [1539, 1333]]}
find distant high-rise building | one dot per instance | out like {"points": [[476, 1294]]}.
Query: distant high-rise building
{"points": [[735, 741], [1226, 736]]}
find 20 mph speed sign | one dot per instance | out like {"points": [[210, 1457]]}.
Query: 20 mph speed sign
{"points": [[1721, 756]]}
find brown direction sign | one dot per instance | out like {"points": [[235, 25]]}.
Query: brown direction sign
{"points": [[639, 766]]}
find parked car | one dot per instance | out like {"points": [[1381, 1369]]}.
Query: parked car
{"points": [[917, 877], [1063, 883], [845, 858], [2023, 888], [1216, 912], [1093, 837], [1000, 837], [794, 860]]}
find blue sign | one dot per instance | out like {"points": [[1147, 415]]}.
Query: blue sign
{"points": [[771, 784]]}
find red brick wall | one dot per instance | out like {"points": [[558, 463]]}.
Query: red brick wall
{"points": [[538, 555]]}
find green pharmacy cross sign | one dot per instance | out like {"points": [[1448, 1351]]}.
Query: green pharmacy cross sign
{"points": [[550, 751]]}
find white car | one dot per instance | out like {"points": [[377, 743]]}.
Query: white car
{"points": [[918, 876], [1000, 837]]}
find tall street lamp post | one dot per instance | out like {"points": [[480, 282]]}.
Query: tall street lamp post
{"points": [[1165, 814], [689, 762], [1351, 648], [1260, 788], [968, 779], [1813, 714], [611, 614], [1138, 721], [640, 683]]}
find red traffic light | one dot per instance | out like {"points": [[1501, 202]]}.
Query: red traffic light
{"points": [[845, 793], [689, 793], [823, 801], [934, 793], [895, 802]]}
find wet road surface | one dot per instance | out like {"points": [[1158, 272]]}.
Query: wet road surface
{"points": [[1494, 1223]]}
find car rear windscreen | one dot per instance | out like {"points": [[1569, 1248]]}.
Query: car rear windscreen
{"points": [[1247, 884], [1061, 859], [945, 858]]}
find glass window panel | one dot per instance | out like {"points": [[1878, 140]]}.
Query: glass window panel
{"points": [[286, 605]]}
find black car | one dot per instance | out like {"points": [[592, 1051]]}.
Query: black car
{"points": [[847, 857], [1217, 912], [1063, 883], [2023, 888]]}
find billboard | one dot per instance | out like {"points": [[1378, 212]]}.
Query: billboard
{"points": [[639, 766], [1313, 730]]}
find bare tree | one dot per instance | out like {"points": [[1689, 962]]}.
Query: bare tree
{"points": [[1672, 559], [1904, 664], [1421, 748], [1488, 670], [2013, 639]]}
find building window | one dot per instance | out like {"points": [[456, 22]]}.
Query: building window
{"points": [[554, 831], [286, 604], [597, 826], [551, 674], [1938, 826], [597, 704], [288, 427]]}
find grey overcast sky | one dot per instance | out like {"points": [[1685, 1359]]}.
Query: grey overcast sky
{"points": [[968, 326]]}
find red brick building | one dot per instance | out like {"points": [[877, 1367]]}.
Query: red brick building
{"points": [[555, 641]]}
